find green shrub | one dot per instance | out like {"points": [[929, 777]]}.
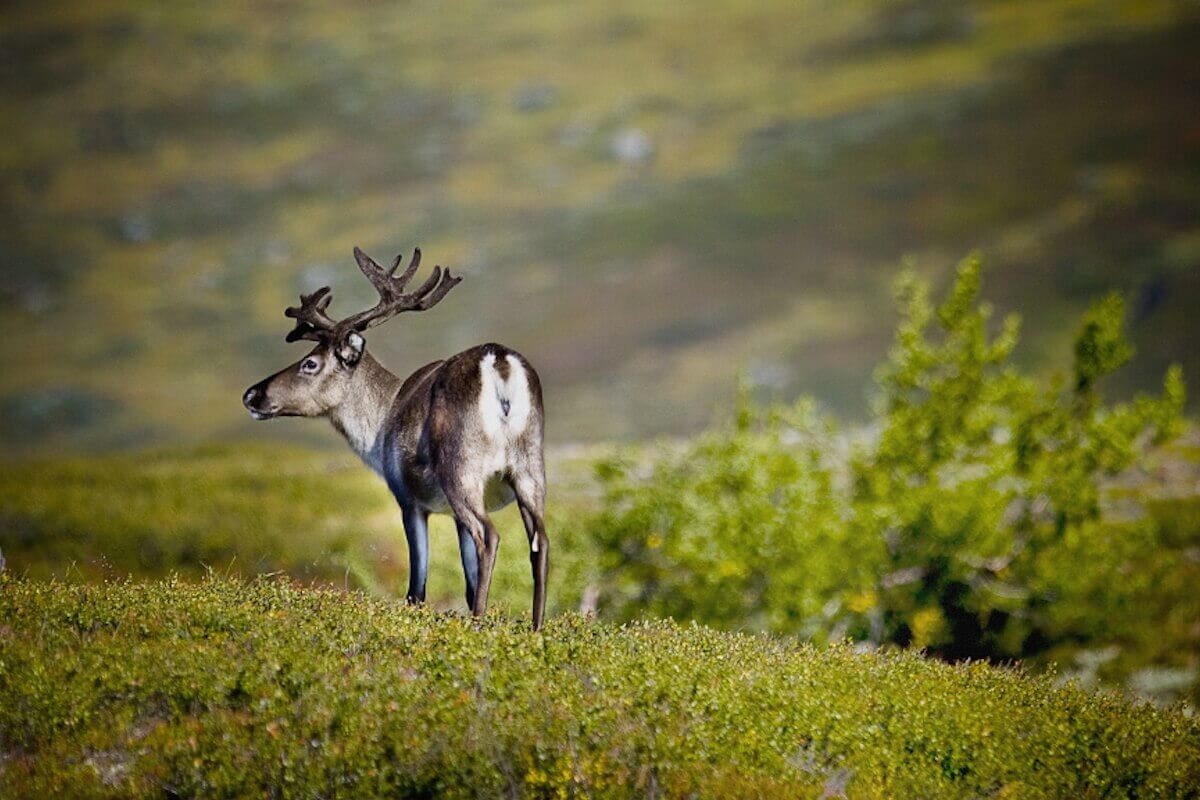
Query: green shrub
{"points": [[969, 523], [738, 530], [983, 489]]}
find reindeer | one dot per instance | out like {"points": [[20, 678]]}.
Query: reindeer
{"points": [[463, 435]]}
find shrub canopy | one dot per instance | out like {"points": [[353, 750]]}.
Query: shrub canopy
{"points": [[968, 520]]}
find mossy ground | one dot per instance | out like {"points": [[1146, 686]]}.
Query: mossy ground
{"points": [[230, 688]]}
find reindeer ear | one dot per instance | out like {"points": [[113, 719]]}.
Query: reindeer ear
{"points": [[351, 348]]}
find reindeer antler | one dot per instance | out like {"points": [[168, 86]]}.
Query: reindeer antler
{"points": [[311, 320], [392, 299], [313, 323]]}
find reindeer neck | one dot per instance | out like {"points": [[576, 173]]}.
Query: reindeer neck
{"points": [[361, 417]]}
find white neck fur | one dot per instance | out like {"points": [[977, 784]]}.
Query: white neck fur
{"points": [[362, 415]]}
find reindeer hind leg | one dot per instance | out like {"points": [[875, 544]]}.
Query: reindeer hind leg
{"points": [[531, 499], [469, 511], [470, 561]]}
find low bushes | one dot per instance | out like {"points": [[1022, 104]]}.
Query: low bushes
{"points": [[226, 688]]}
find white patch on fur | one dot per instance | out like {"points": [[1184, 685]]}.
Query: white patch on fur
{"points": [[504, 408], [362, 432], [357, 342], [495, 392], [490, 411], [518, 395]]}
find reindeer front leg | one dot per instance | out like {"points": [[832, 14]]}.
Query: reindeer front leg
{"points": [[416, 531]]}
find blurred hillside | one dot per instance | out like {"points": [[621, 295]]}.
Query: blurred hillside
{"points": [[646, 200]]}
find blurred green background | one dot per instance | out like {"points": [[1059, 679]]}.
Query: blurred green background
{"points": [[648, 201]]}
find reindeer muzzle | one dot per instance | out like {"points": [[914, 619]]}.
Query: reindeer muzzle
{"points": [[255, 400]]}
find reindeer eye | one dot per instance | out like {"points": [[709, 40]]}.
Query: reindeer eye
{"points": [[309, 365]]}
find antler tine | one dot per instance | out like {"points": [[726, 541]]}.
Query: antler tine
{"points": [[382, 279], [312, 322], [430, 282], [392, 299], [438, 292], [370, 268], [412, 266]]}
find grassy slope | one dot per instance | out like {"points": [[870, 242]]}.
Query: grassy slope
{"points": [[249, 510], [171, 178], [229, 688]]}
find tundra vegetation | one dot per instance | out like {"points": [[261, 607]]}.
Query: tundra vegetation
{"points": [[237, 689], [169, 171], [984, 516]]}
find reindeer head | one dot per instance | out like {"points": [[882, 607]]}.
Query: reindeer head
{"points": [[319, 382]]}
